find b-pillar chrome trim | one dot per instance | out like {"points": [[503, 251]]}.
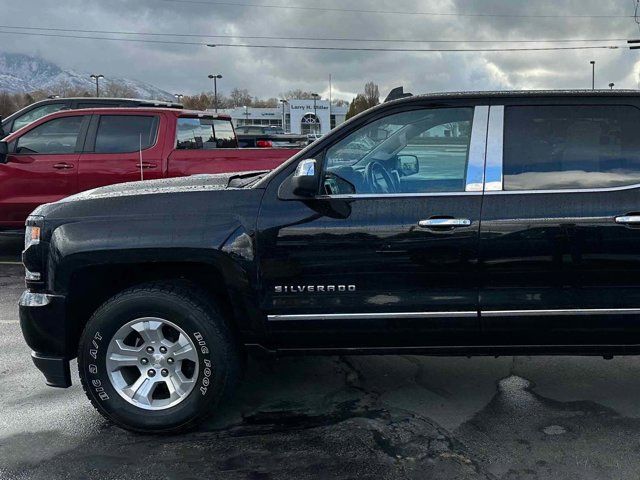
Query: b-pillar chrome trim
{"points": [[495, 140], [477, 149]]}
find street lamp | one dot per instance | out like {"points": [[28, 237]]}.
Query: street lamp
{"points": [[215, 89], [315, 111], [611, 85], [593, 74], [284, 121], [97, 78], [178, 96]]}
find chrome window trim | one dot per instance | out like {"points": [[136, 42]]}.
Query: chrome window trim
{"points": [[495, 145], [356, 196], [475, 165], [567, 190], [369, 316], [477, 150]]}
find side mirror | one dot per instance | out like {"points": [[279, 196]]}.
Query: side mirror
{"points": [[306, 179], [408, 165]]}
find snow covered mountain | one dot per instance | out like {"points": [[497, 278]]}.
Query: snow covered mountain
{"points": [[24, 73]]}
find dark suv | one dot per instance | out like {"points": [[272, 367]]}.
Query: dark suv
{"points": [[37, 110], [452, 224]]}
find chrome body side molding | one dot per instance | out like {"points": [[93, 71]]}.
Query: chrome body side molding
{"points": [[454, 314], [369, 316]]}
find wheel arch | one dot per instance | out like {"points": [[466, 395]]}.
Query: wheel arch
{"points": [[224, 281]]}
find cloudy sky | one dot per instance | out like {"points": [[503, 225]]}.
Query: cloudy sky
{"points": [[269, 72]]}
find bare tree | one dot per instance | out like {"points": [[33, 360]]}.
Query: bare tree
{"points": [[117, 90], [240, 97], [297, 94], [8, 104], [363, 101], [372, 94]]}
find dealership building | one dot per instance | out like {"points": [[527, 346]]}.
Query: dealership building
{"points": [[295, 116]]}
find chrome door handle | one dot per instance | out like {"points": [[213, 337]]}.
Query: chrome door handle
{"points": [[444, 222], [628, 219], [63, 166]]}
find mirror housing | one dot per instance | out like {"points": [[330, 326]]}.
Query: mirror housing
{"points": [[4, 151], [408, 165], [306, 178]]}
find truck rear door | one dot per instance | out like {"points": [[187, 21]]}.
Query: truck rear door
{"points": [[122, 147], [560, 243]]}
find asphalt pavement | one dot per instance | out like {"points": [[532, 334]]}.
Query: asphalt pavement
{"points": [[339, 417]]}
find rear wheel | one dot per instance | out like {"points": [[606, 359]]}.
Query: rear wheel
{"points": [[157, 358]]}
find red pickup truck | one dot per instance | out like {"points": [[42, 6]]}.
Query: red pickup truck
{"points": [[75, 150]]}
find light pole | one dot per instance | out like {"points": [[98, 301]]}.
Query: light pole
{"points": [[315, 112], [97, 78], [611, 85], [593, 74], [246, 115], [215, 89], [284, 121], [178, 96]]}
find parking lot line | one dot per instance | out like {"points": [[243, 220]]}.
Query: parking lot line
{"points": [[10, 263]]}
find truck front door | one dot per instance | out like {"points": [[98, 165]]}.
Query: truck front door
{"points": [[386, 255], [42, 167]]}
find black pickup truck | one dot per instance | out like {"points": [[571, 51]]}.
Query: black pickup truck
{"points": [[452, 224]]}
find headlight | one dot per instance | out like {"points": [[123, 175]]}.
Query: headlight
{"points": [[32, 232]]}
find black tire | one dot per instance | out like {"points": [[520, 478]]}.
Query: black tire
{"points": [[192, 311]]}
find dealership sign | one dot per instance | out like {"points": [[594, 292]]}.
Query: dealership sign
{"points": [[306, 115]]}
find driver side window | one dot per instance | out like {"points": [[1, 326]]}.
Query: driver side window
{"points": [[57, 136], [418, 151]]}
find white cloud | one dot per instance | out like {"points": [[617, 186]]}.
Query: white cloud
{"points": [[268, 72]]}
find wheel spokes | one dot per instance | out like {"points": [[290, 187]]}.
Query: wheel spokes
{"points": [[150, 331], [123, 355], [152, 363], [144, 391]]}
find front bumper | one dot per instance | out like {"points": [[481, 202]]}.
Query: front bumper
{"points": [[42, 319]]}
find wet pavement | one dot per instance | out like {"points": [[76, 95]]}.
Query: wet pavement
{"points": [[339, 417]]}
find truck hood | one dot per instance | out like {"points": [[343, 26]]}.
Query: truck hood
{"points": [[204, 182]]}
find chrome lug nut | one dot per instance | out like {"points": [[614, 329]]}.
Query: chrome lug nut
{"points": [[170, 360], [164, 372], [163, 349], [144, 361], [151, 372], [149, 349]]}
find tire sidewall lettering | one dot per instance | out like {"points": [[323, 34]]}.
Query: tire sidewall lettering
{"points": [[207, 371]]}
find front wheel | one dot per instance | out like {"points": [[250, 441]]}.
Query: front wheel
{"points": [[157, 358]]}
